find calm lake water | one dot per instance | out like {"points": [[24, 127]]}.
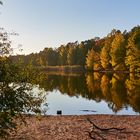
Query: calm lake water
{"points": [[92, 93]]}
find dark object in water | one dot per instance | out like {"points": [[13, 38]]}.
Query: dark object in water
{"points": [[59, 112], [88, 110]]}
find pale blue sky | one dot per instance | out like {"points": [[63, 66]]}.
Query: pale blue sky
{"points": [[50, 23]]}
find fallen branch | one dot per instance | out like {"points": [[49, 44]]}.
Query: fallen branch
{"points": [[100, 133], [105, 129]]}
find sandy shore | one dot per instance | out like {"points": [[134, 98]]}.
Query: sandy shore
{"points": [[111, 127]]}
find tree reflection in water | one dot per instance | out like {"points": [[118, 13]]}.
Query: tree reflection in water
{"points": [[119, 90]]}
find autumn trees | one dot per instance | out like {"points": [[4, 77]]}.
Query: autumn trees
{"points": [[133, 50], [120, 51], [115, 52], [66, 55]]}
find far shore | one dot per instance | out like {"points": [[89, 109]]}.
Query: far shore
{"points": [[79, 69], [79, 127]]}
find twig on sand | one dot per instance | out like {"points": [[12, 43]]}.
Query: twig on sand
{"points": [[100, 133], [105, 129]]}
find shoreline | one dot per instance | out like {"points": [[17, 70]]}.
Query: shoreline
{"points": [[80, 69], [78, 127]]}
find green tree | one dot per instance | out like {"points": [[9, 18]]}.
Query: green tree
{"points": [[81, 54], [71, 56], [16, 96], [62, 51]]}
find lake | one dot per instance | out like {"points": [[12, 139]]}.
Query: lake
{"points": [[90, 93]]}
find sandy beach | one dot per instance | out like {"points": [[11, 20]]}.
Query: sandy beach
{"points": [[85, 127]]}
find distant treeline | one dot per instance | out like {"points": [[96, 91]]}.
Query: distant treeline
{"points": [[116, 51]]}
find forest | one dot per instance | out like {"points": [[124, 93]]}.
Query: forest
{"points": [[118, 51]]}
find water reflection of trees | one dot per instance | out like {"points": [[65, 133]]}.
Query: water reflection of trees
{"points": [[70, 85], [118, 90], [133, 91]]}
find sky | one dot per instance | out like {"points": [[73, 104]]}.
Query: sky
{"points": [[51, 23]]}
